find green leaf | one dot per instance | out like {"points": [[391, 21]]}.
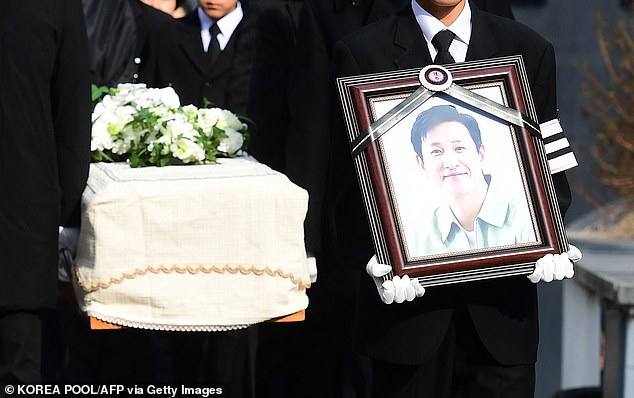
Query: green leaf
{"points": [[98, 92]]}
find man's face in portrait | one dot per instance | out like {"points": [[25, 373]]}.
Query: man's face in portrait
{"points": [[451, 159], [216, 9]]}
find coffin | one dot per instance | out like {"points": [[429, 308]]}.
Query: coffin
{"points": [[208, 247]]}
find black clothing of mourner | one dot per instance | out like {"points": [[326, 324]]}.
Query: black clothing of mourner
{"points": [[268, 105], [177, 58], [118, 33], [44, 160]]}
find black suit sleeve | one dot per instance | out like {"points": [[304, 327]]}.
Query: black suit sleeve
{"points": [[70, 97], [545, 98], [268, 99], [307, 148], [348, 232]]}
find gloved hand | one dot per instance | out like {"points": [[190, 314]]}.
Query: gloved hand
{"points": [[67, 242], [556, 266], [398, 289], [312, 269], [68, 239]]}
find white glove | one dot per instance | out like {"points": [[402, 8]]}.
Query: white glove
{"points": [[312, 269], [556, 266], [398, 289]]}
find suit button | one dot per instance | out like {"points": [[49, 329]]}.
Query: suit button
{"points": [[207, 84]]}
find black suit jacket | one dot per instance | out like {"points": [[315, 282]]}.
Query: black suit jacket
{"points": [[268, 98], [176, 57], [504, 311], [44, 142], [117, 37]]}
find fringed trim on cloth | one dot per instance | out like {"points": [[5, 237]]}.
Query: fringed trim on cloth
{"points": [[182, 269], [167, 327]]}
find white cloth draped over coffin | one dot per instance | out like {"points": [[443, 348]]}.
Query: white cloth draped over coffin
{"points": [[209, 247]]}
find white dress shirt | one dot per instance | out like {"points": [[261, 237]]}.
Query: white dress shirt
{"points": [[461, 27], [227, 25]]}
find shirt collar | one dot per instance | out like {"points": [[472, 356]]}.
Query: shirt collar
{"points": [[430, 25], [493, 211], [495, 206], [227, 24]]}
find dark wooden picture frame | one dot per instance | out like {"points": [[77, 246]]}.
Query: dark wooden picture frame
{"points": [[369, 100]]}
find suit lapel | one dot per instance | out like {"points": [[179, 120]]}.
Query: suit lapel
{"points": [[191, 43], [410, 47], [482, 43]]}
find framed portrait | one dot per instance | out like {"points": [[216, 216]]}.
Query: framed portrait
{"points": [[453, 171]]}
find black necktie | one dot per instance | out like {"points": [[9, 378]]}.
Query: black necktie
{"points": [[214, 48], [441, 41]]}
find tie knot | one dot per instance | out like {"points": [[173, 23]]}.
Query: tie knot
{"points": [[442, 40], [214, 30]]}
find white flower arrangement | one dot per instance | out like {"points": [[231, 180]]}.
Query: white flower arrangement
{"points": [[148, 127]]}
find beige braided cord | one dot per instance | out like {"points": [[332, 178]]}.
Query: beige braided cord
{"points": [[189, 269]]}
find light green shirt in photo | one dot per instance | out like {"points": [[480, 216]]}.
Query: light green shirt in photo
{"points": [[503, 221]]}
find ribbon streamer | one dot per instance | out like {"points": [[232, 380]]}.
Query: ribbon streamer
{"points": [[390, 119], [428, 90]]}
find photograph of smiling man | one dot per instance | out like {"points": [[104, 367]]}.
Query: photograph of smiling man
{"points": [[473, 209]]}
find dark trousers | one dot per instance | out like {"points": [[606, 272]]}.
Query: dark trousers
{"points": [[20, 347], [314, 358], [215, 359], [460, 368]]}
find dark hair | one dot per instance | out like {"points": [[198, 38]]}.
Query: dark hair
{"points": [[430, 118]]}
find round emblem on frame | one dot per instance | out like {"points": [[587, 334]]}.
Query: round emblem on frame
{"points": [[435, 78]]}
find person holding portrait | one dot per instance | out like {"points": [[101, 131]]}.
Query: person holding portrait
{"points": [[475, 211], [472, 339]]}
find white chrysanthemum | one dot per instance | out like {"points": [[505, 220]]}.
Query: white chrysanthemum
{"points": [[169, 98], [187, 150], [228, 120], [190, 112], [123, 143], [179, 126], [161, 111], [166, 140], [131, 87], [108, 126], [232, 143], [123, 115], [101, 138], [207, 118], [147, 99], [120, 147], [129, 94]]}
